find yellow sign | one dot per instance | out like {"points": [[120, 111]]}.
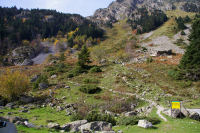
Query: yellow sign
{"points": [[176, 105]]}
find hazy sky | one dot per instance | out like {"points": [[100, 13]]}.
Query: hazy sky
{"points": [[83, 7]]}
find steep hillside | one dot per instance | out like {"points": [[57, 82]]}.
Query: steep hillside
{"points": [[121, 9], [21, 27]]}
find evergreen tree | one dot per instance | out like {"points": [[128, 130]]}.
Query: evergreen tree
{"points": [[190, 63], [84, 57]]}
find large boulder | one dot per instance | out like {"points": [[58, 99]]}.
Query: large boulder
{"points": [[43, 86], [195, 116], [96, 126], [73, 126], [145, 124], [53, 126], [26, 99], [132, 113]]}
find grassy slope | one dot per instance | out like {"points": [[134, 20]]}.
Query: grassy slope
{"points": [[153, 76], [168, 28], [171, 126]]}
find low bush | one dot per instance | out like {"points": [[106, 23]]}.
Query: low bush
{"points": [[95, 69], [13, 84], [88, 80], [175, 74], [90, 89], [70, 75], [76, 116], [149, 60], [96, 116], [119, 106], [41, 79]]}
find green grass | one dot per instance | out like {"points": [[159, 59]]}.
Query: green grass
{"points": [[180, 13], [22, 129], [42, 115], [185, 125]]}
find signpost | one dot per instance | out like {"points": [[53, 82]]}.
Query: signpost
{"points": [[175, 105]]}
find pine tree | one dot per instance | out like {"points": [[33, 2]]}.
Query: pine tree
{"points": [[190, 63], [84, 57]]}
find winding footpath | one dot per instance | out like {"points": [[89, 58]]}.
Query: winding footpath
{"points": [[153, 103]]}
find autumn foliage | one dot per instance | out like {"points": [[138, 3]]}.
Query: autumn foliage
{"points": [[13, 84]]}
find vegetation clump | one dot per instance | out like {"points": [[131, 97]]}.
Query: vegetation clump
{"points": [[95, 69], [90, 89], [94, 116], [13, 84], [41, 79], [134, 120]]}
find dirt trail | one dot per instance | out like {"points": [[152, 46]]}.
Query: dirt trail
{"points": [[158, 107]]}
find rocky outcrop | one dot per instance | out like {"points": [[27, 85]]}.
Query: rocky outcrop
{"points": [[144, 124], [73, 126], [96, 126], [121, 9], [22, 56]]}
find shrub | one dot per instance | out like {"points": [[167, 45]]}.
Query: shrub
{"points": [[41, 79], [128, 121], [119, 106], [96, 116], [13, 84], [76, 116], [88, 80], [90, 89], [95, 69], [76, 71], [183, 33], [175, 74], [70, 75], [149, 60], [62, 57], [134, 120]]}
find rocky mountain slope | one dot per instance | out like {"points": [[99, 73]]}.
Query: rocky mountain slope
{"points": [[121, 9]]}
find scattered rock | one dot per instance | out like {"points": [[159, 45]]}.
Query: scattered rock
{"points": [[132, 113], [67, 87], [145, 124], [14, 119], [43, 86], [29, 125], [53, 126], [26, 99], [175, 113], [35, 78], [59, 108], [194, 116], [96, 126], [53, 76], [23, 111], [10, 105], [73, 126]]}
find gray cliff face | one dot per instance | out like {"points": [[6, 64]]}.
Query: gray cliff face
{"points": [[121, 9]]}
